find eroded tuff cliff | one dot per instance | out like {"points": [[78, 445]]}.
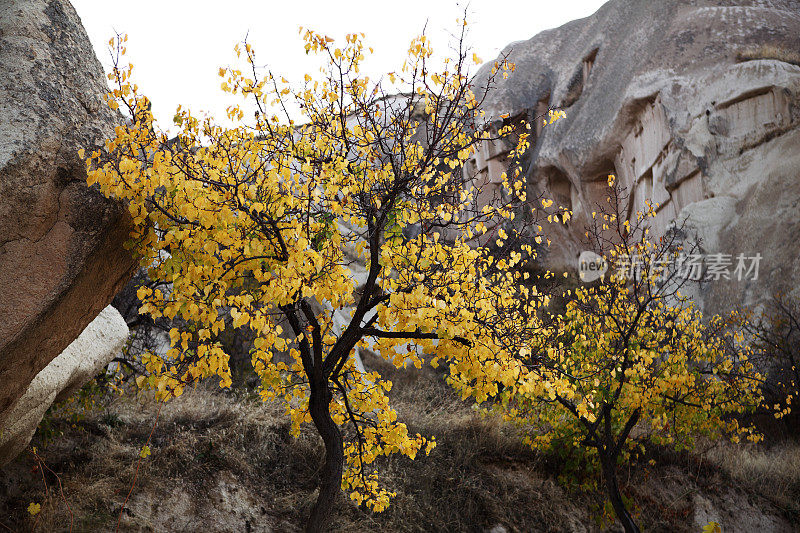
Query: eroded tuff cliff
{"points": [[692, 103], [61, 254]]}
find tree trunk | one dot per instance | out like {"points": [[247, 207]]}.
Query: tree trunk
{"points": [[331, 476], [610, 477]]}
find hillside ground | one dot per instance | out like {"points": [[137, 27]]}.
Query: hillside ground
{"points": [[225, 461]]}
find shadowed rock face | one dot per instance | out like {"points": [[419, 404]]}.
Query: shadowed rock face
{"points": [[61, 255], [94, 348], [693, 104]]}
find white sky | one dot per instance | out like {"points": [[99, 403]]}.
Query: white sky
{"points": [[177, 46]]}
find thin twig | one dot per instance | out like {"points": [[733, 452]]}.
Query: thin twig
{"points": [[138, 465], [42, 465]]}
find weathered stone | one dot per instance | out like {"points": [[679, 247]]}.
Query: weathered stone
{"points": [[235, 508], [96, 346], [655, 93], [735, 512], [61, 254]]}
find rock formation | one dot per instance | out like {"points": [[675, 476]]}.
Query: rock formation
{"points": [[100, 342], [691, 103], [61, 254]]}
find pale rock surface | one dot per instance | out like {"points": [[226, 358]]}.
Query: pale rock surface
{"points": [[230, 507], [96, 346], [659, 94], [61, 254], [736, 514]]}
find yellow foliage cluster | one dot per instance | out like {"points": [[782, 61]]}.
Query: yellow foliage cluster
{"points": [[626, 356], [250, 223]]}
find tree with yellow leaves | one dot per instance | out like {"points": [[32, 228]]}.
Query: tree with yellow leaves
{"points": [[627, 360], [264, 222]]}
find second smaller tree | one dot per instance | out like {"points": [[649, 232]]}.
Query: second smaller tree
{"points": [[627, 360]]}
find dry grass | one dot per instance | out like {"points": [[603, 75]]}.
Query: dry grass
{"points": [[766, 51], [773, 472], [226, 462]]}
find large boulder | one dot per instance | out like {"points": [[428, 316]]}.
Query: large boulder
{"points": [[692, 103], [94, 348], [61, 253]]}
